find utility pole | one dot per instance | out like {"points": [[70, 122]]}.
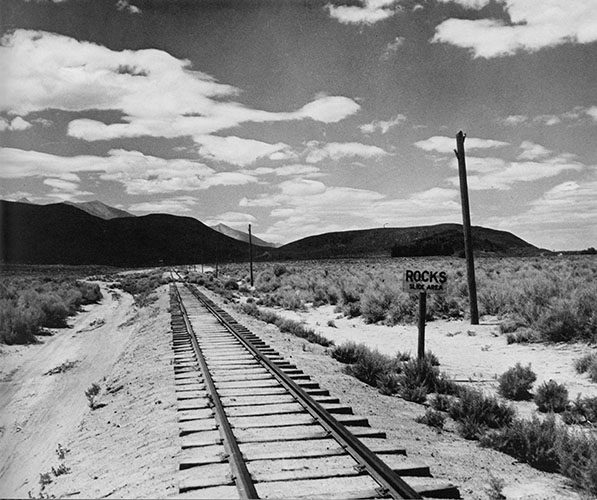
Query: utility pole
{"points": [[466, 227], [251, 255]]}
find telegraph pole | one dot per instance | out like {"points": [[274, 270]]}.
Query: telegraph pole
{"points": [[251, 255], [466, 227]]}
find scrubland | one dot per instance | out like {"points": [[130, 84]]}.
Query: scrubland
{"points": [[534, 300], [537, 298], [36, 299]]}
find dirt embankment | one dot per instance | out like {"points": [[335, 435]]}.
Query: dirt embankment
{"points": [[126, 447]]}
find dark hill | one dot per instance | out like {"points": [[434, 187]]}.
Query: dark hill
{"points": [[99, 209], [62, 234], [440, 239]]}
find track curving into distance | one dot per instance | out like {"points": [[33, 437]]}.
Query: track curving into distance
{"points": [[252, 425]]}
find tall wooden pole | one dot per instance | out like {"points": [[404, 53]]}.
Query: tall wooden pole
{"points": [[466, 226], [251, 254]]}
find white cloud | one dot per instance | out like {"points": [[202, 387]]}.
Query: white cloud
{"points": [[548, 120], [382, 125], [513, 120], [368, 12], [564, 218], [310, 207], [158, 94], [391, 48], [15, 124], [532, 151], [176, 205], [496, 173], [126, 6], [236, 220], [532, 27], [317, 152], [441, 144], [62, 185], [592, 112], [235, 150], [138, 173], [468, 4]]}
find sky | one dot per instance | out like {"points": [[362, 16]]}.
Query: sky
{"points": [[302, 117]]}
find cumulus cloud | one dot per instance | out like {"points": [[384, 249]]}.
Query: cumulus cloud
{"points": [[368, 12], [382, 125], [532, 151], [15, 124], [236, 150], [311, 207], [575, 115], [530, 28], [560, 218], [496, 173], [137, 172], [157, 94], [441, 144], [317, 151]]}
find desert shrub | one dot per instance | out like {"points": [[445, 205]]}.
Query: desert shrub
{"points": [[441, 402], [279, 270], [516, 382], [370, 366], [91, 394], [299, 330], [551, 396], [592, 371], [90, 292], [414, 393], [432, 418], [577, 455], [510, 325], [433, 359], [522, 336], [420, 373], [559, 323], [583, 363], [473, 407], [19, 324], [532, 441], [471, 428], [55, 311], [348, 352], [581, 411], [403, 356], [230, 285], [388, 383]]}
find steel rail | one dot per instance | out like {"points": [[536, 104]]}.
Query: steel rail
{"points": [[241, 475], [391, 483]]}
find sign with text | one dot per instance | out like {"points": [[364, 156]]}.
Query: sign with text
{"points": [[425, 280]]}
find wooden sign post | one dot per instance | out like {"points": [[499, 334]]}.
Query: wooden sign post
{"points": [[423, 282]]}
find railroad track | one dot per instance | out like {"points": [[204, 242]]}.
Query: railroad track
{"points": [[253, 425]]}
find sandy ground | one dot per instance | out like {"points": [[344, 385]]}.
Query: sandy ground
{"points": [[476, 355], [39, 411]]}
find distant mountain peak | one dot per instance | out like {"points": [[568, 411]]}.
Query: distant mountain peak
{"points": [[99, 209], [240, 235], [25, 200]]}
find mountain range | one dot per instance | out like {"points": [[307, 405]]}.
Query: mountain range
{"points": [[98, 234]]}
